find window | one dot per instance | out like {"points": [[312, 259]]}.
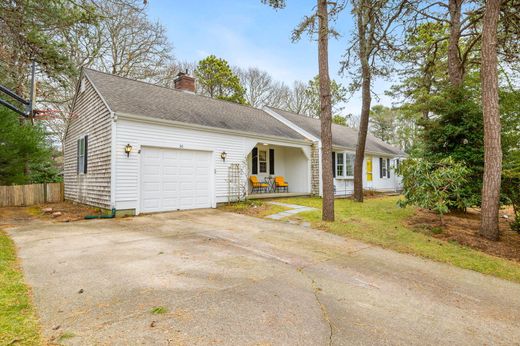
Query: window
{"points": [[262, 161], [82, 155], [384, 167], [344, 164], [339, 164], [349, 165]]}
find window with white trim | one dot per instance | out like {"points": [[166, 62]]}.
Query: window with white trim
{"points": [[349, 165], [82, 155], [385, 168], [262, 161], [344, 165], [339, 165]]}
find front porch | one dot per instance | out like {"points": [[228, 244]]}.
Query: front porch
{"points": [[267, 161]]}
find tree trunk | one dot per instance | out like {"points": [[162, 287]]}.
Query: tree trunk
{"points": [[492, 127], [325, 113], [455, 65], [365, 104]]}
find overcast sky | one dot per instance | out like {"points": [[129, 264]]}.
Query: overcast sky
{"points": [[249, 33]]}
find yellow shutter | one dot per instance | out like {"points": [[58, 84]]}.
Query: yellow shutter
{"points": [[369, 169]]}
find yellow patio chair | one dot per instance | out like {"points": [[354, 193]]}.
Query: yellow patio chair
{"points": [[257, 186], [280, 183]]}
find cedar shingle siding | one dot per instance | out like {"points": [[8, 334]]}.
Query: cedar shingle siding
{"points": [[91, 117]]}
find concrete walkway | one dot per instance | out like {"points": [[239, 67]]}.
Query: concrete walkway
{"points": [[229, 279], [295, 209]]}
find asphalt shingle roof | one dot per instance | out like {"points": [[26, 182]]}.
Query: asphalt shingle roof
{"points": [[139, 98], [342, 136]]}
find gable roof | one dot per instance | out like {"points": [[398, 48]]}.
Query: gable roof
{"points": [[342, 136], [133, 97]]}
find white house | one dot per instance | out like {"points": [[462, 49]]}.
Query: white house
{"points": [[137, 147]]}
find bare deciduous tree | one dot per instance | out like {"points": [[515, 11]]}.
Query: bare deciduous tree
{"points": [[298, 101], [134, 46], [258, 84], [122, 42]]}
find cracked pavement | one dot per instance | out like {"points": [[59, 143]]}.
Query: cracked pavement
{"points": [[228, 279]]}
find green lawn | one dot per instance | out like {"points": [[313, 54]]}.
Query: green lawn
{"points": [[379, 221], [18, 322]]}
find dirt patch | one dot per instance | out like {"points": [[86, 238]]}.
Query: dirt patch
{"points": [[463, 229], [68, 211], [253, 208]]}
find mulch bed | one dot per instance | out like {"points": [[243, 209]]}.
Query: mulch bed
{"points": [[463, 229]]}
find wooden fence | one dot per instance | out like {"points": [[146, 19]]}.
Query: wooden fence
{"points": [[24, 195]]}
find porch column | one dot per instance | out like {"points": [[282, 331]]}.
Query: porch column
{"points": [[315, 169]]}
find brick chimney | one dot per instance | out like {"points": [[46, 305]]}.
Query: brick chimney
{"points": [[184, 82]]}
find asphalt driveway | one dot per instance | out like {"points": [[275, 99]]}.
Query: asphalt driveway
{"points": [[230, 279]]}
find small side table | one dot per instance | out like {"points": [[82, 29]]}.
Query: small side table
{"points": [[270, 181]]}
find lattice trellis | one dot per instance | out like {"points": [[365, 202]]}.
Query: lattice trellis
{"points": [[237, 184]]}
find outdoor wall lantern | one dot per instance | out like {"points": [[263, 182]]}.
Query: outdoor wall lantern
{"points": [[223, 155], [128, 150]]}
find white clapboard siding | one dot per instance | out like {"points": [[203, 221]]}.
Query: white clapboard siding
{"points": [[140, 134], [345, 187], [90, 117]]}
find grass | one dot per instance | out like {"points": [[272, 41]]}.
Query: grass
{"points": [[159, 310], [18, 322], [254, 208], [379, 221]]}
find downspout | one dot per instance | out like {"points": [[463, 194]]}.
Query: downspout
{"points": [[113, 158]]}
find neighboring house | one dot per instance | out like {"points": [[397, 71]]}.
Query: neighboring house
{"points": [[140, 148]]}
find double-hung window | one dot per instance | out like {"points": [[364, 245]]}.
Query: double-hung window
{"points": [[340, 165], [384, 167], [349, 165], [262, 161], [344, 165], [82, 155]]}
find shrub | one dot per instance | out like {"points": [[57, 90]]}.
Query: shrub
{"points": [[432, 185], [457, 133]]}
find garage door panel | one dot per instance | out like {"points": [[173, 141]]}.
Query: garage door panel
{"points": [[151, 186], [149, 169], [173, 179], [151, 204]]}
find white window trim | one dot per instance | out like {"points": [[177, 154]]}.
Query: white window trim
{"points": [[344, 156], [81, 167], [351, 158], [384, 168], [266, 162]]}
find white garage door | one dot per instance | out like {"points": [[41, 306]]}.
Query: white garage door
{"points": [[175, 179]]}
